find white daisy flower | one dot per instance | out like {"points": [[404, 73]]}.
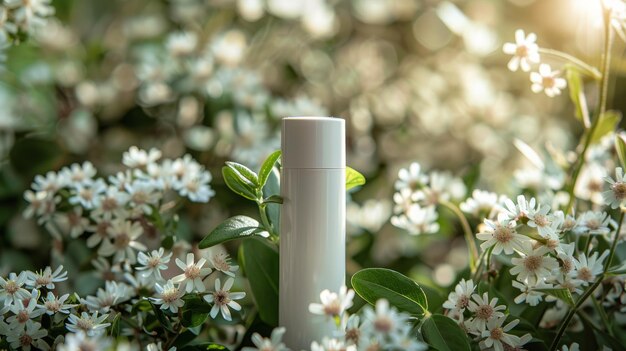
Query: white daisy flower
{"points": [[274, 343], [221, 262], [459, 299], [333, 304], [112, 204], [24, 313], [11, 289], [483, 310], [385, 320], [30, 336], [525, 51], [616, 194], [138, 158], [588, 268], [418, 220], [403, 200], [52, 304], [92, 325], [77, 173], [195, 187], [546, 224], [81, 341], [528, 293], [123, 241], [169, 297], [534, 265], [154, 263], [442, 187], [521, 209], [72, 222], [193, 274], [113, 294], [222, 299], [143, 195], [88, 194], [547, 80], [100, 231], [49, 183], [594, 223], [354, 332], [46, 278], [411, 178], [329, 344], [496, 335], [40, 204], [484, 202], [501, 234]]}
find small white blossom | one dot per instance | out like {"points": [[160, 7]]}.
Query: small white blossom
{"points": [[52, 304], [138, 158], [169, 297], [81, 341], [11, 289], [123, 241], [385, 320], [534, 265], [496, 335], [222, 299], [502, 236], [525, 51], [221, 262], [459, 299], [547, 80], [193, 274], [274, 343], [92, 324], [154, 263], [417, 220], [484, 202], [30, 336], [616, 194], [594, 223], [329, 344], [412, 178], [483, 310], [46, 278], [588, 268], [24, 311], [333, 304]]}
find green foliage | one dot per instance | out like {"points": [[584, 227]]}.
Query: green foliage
{"points": [[444, 334], [560, 293], [267, 166], [237, 227], [402, 292], [607, 124], [261, 263], [577, 95], [195, 311], [353, 178], [238, 183]]}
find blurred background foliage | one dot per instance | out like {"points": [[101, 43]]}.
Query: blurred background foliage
{"points": [[415, 80]]}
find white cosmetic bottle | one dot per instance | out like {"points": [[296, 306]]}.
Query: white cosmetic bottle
{"points": [[312, 224]]}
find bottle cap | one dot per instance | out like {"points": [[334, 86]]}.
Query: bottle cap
{"points": [[313, 142]]}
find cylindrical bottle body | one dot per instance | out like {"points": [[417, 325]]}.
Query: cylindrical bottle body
{"points": [[312, 249]]}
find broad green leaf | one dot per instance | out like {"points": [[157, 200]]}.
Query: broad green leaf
{"points": [[162, 318], [444, 334], [608, 122], [577, 95], [195, 312], [237, 227], [260, 263], [620, 146], [402, 292], [353, 178], [275, 199], [245, 173], [560, 293], [238, 184], [266, 167]]}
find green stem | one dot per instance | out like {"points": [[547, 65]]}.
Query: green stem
{"points": [[467, 230], [602, 314], [585, 67], [604, 88], [588, 292]]}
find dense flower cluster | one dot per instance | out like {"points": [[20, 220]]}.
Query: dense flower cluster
{"points": [[21, 17]]}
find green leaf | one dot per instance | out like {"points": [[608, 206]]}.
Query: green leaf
{"points": [[207, 346], [195, 312], [115, 326], [402, 292], [272, 187], [560, 293], [620, 146], [617, 270], [273, 199], [237, 227], [245, 173], [353, 178], [167, 242], [577, 95], [444, 334], [266, 167], [238, 184], [162, 318], [607, 123], [260, 263]]}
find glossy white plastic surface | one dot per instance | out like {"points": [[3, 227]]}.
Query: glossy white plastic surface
{"points": [[312, 249], [312, 224]]}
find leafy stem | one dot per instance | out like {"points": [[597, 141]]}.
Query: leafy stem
{"points": [[467, 230], [585, 67], [601, 109], [588, 292]]}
